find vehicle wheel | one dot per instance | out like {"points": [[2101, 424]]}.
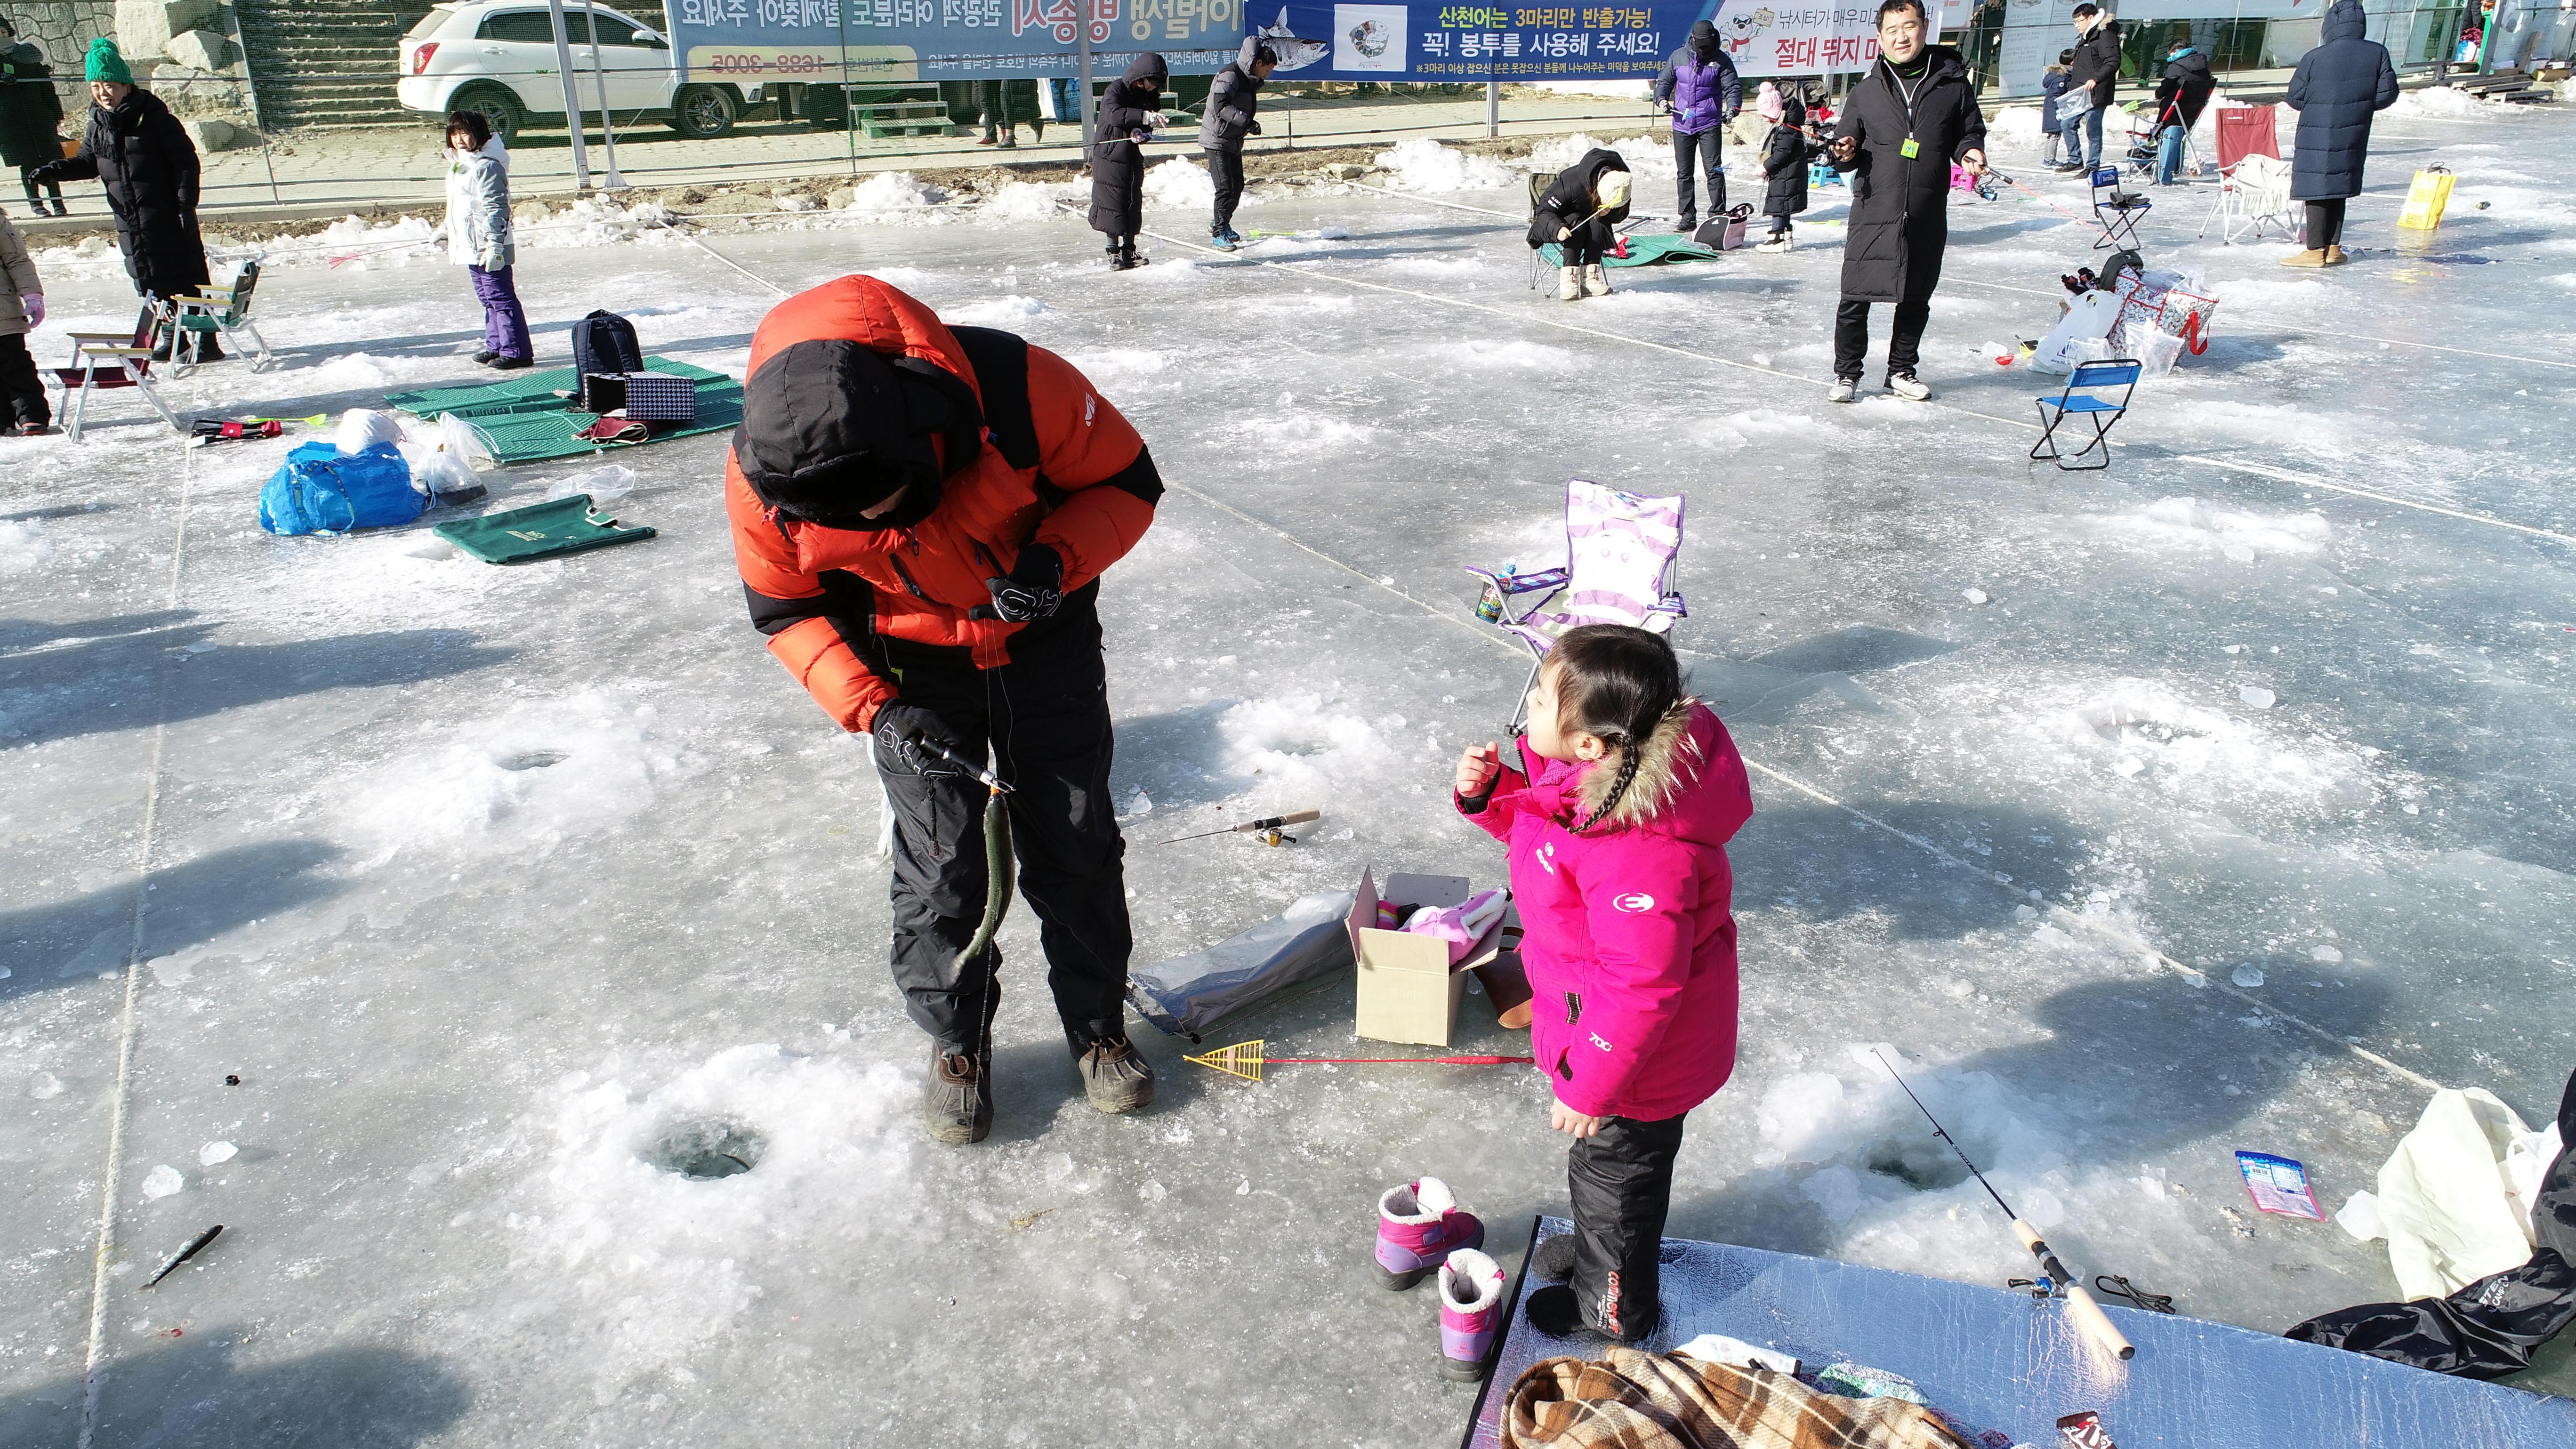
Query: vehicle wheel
{"points": [[498, 106], [702, 113]]}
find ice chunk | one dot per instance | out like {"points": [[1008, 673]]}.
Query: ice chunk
{"points": [[215, 1152], [161, 1182], [2257, 696], [2327, 954], [1973, 596], [44, 1086], [2247, 975]]}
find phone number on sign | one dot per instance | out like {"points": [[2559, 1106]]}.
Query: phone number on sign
{"points": [[739, 64]]}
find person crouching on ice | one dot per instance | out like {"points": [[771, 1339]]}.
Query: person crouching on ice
{"points": [[1581, 212], [1617, 844], [915, 572]]}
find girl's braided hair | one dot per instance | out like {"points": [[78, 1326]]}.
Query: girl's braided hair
{"points": [[1618, 683]]}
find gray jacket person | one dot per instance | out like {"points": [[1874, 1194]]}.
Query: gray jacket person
{"points": [[1232, 100]]}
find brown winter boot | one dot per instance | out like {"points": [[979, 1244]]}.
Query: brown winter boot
{"points": [[2312, 257], [2334, 257], [1116, 1078]]}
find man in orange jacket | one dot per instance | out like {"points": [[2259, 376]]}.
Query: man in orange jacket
{"points": [[921, 516]]}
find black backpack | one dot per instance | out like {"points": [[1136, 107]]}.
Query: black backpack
{"points": [[603, 343]]}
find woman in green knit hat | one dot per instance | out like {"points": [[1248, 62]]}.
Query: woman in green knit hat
{"points": [[141, 154]]}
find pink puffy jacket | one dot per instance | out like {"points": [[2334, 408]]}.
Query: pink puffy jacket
{"points": [[1630, 927]]}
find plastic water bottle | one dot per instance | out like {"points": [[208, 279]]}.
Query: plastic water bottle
{"points": [[1490, 607]]}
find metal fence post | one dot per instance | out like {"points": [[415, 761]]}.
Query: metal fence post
{"points": [[607, 114], [572, 101], [1493, 108]]}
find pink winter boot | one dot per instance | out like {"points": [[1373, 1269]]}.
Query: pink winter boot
{"points": [[1471, 1308], [1419, 1224]]}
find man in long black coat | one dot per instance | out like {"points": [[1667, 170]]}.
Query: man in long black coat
{"points": [[2337, 88], [142, 156], [1130, 108], [1908, 119], [29, 114]]}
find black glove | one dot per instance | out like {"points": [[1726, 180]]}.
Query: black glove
{"points": [[1254, 129], [45, 175], [1033, 591], [899, 728]]}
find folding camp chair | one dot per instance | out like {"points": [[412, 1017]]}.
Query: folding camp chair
{"points": [[2253, 180], [1620, 550], [222, 311], [2087, 379], [2117, 212], [106, 361]]}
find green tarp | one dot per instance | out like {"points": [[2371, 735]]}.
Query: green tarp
{"points": [[540, 530], [1645, 249], [526, 420]]}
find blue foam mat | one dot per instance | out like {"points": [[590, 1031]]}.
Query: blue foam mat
{"points": [[1994, 1359]]}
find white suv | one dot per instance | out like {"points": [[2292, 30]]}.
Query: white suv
{"points": [[498, 57]]}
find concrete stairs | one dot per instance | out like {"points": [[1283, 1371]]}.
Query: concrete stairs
{"points": [[327, 62]]}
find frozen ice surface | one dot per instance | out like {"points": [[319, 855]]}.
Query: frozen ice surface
{"points": [[522, 900]]}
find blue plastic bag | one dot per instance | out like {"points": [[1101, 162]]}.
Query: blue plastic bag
{"points": [[323, 490]]}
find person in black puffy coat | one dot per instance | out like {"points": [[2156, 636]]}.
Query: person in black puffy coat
{"points": [[1903, 126], [29, 115], [1233, 104], [1580, 212], [1129, 110], [1786, 154], [2337, 88], [140, 154]]}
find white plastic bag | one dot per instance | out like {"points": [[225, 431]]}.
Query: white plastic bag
{"points": [[2088, 318], [605, 484], [458, 436], [2156, 353], [363, 428]]}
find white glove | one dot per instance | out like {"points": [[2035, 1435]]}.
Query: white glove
{"points": [[35, 309]]}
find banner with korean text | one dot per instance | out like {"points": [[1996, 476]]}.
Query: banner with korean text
{"points": [[1500, 41], [876, 42]]}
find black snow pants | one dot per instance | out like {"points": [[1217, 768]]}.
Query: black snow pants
{"points": [[1045, 717], [1226, 169], [1621, 1178], [1904, 335], [22, 388], [1709, 147]]}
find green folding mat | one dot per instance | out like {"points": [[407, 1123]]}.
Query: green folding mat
{"points": [[540, 530], [524, 420], [1645, 249]]}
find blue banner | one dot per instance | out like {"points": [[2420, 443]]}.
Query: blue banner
{"points": [[877, 42], [1431, 41]]}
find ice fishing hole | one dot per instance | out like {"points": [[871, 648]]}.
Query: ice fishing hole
{"points": [[705, 1148], [1921, 1168], [533, 760]]}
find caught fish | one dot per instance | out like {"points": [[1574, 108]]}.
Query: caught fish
{"points": [[1294, 51], [195, 1246]]}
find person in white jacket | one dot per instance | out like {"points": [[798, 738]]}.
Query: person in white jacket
{"points": [[477, 231]]}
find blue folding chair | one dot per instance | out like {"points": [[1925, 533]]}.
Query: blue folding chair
{"points": [[2080, 399], [2117, 212]]}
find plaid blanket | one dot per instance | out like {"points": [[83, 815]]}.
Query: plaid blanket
{"points": [[1634, 1400]]}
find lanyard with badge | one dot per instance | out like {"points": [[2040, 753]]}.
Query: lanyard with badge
{"points": [[1910, 149]]}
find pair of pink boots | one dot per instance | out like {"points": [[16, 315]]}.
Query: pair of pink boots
{"points": [[1420, 1227]]}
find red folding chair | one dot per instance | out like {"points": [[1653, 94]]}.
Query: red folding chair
{"points": [[106, 361], [2251, 198]]}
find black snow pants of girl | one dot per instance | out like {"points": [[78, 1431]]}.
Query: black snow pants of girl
{"points": [[1590, 243], [1621, 1178]]}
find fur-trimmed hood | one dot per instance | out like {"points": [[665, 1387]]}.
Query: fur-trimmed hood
{"points": [[1673, 794], [1669, 755]]}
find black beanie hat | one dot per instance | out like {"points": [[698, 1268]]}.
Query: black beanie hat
{"points": [[832, 428], [1703, 38]]}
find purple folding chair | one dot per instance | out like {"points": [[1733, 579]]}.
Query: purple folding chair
{"points": [[1620, 550]]}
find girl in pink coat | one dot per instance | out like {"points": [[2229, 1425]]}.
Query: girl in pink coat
{"points": [[1618, 862]]}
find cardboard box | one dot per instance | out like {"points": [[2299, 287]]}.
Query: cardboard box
{"points": [[1408, 991]]}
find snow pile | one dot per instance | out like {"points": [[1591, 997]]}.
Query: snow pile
{"points": [[646, 1264], [1645, 155], [592, 222], [2442, 103], [1738, 429], [2016, 126], [524, 780], [1008, 311], [350, 372], [1180, 183], [1295, 748], [1129, 365], [1422, 164], [91, 257], [2142, 730], [1863, 1156], [2241, 536], [1031, 200], [892, 196], [23, 547]]}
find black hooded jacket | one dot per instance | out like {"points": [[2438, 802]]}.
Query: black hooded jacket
{"points": [[1900, 209], [143, 158], [1568, 201], [2337, 88], [2184, 92], [1119, 128], [2097, 62], [29, 109], [1786, 154]]}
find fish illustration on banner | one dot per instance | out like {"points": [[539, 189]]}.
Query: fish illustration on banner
{"points": [[1294, 51]]}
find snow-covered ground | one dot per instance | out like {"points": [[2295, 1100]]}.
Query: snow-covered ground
{"points": [[495, 887]]}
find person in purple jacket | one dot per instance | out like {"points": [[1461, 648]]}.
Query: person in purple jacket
{"points": [[1617, 846], [1699, 84]]}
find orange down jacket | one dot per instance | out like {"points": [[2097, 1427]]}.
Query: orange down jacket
{"points": [[825, 596]]}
